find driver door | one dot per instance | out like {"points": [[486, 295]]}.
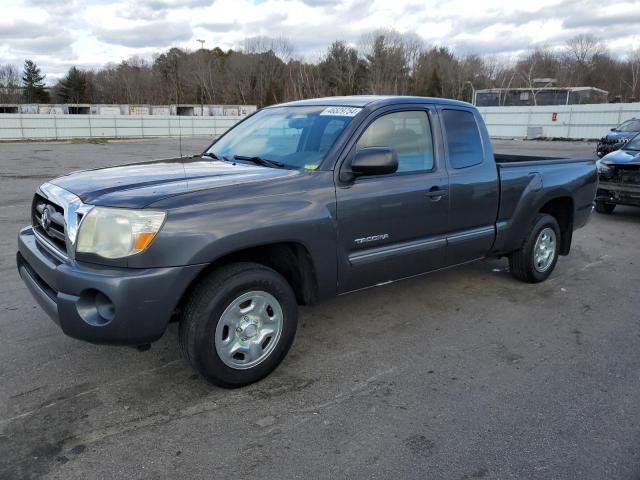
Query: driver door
{"points": [[394, 226]]}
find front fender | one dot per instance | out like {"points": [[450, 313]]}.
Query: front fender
{"points": [[202, 228]]}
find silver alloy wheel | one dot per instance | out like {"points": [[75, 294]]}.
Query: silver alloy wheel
{"points": [[249, 330], [544, 251]]}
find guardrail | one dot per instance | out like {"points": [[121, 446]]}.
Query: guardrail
{"points": [[557, 121], [45, 127]]}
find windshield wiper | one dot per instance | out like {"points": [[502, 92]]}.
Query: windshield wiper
{"points": [[260, 161], [214, 156]]}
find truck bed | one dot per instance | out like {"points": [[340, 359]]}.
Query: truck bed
{"points": [[509, 158], [524, 183]]}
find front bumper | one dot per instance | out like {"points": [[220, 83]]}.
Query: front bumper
{"points": [[120, 306], [621, 194]]}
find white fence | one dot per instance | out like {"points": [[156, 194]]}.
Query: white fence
{"points": [[553, 121], [33, 127], [557, 121], [128, 109]]}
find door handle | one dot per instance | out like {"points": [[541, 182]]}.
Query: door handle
{"points": [[436, 193]]}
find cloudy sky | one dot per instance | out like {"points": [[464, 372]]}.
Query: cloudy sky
{"points": [[89, 33]]}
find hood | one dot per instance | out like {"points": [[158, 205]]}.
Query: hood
{"points": [[615, 135], [622, 157], [139, 184]]}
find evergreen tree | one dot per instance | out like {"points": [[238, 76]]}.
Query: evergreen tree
{"points": [[33, 84], [73, 87], [341, 69]]}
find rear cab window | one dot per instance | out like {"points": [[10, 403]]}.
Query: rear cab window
{"points": [[463, 138]]}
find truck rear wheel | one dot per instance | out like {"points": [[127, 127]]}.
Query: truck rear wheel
{"points": [[605, 207], [538, 256], [238, 324]]}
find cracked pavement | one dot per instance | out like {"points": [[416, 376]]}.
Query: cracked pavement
{"points": [[464, 373]]}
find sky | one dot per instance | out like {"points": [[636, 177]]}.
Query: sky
{"points": [[58, 34]]}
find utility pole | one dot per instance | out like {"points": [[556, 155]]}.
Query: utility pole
{"points": [[201, 43], [473, 91]]}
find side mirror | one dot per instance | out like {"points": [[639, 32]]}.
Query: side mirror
{"points": [[375, 161], [613, 129]]}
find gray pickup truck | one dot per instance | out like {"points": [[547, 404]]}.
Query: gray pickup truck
{"points": [[295, 204]]}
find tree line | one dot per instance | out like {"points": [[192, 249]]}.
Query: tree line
{"points": [[267, 71]]}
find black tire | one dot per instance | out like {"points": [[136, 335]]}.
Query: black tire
{"points": [[605, 207], [522, 263], [203, 311]]}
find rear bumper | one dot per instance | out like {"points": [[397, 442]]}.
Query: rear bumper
{"points": [[622, 194], [120, 306]]}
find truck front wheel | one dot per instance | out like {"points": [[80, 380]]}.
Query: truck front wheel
{"points": [[538, 256], [238, 324]]}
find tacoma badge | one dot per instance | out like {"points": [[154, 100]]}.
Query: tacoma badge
{"points": [[372, 238]]}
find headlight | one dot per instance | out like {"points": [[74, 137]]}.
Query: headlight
{"points": [[602, 168], [118, 232]]}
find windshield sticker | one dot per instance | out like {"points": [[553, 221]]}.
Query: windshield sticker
{"points": [[341, 111]]}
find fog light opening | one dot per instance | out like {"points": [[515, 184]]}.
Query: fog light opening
{"points": [[105, 308], [95, 308]]}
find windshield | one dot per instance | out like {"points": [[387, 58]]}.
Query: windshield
{"points": [[630, 126], [633, 144], [298, 137]]}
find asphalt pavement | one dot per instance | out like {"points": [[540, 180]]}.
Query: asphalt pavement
{"points": [[461, 374]]}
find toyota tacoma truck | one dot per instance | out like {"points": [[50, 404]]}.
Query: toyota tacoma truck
{"points": [[295, 204]]}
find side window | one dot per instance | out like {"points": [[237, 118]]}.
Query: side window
{"points": [[408, 133], [463, 138]]}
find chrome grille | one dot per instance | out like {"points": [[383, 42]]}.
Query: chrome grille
{"points": [[630, 176], [48, 221], [56, 215]]}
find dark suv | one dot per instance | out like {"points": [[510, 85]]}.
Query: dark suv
{"points": [[618, 137], [619, 174]]}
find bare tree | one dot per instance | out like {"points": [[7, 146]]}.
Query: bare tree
{"points": [[634, 73], [280, 46], [303, 81], [10, 91], [539, 63], [266, 70], [582, 48], [269, 56], [385, 54]]}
